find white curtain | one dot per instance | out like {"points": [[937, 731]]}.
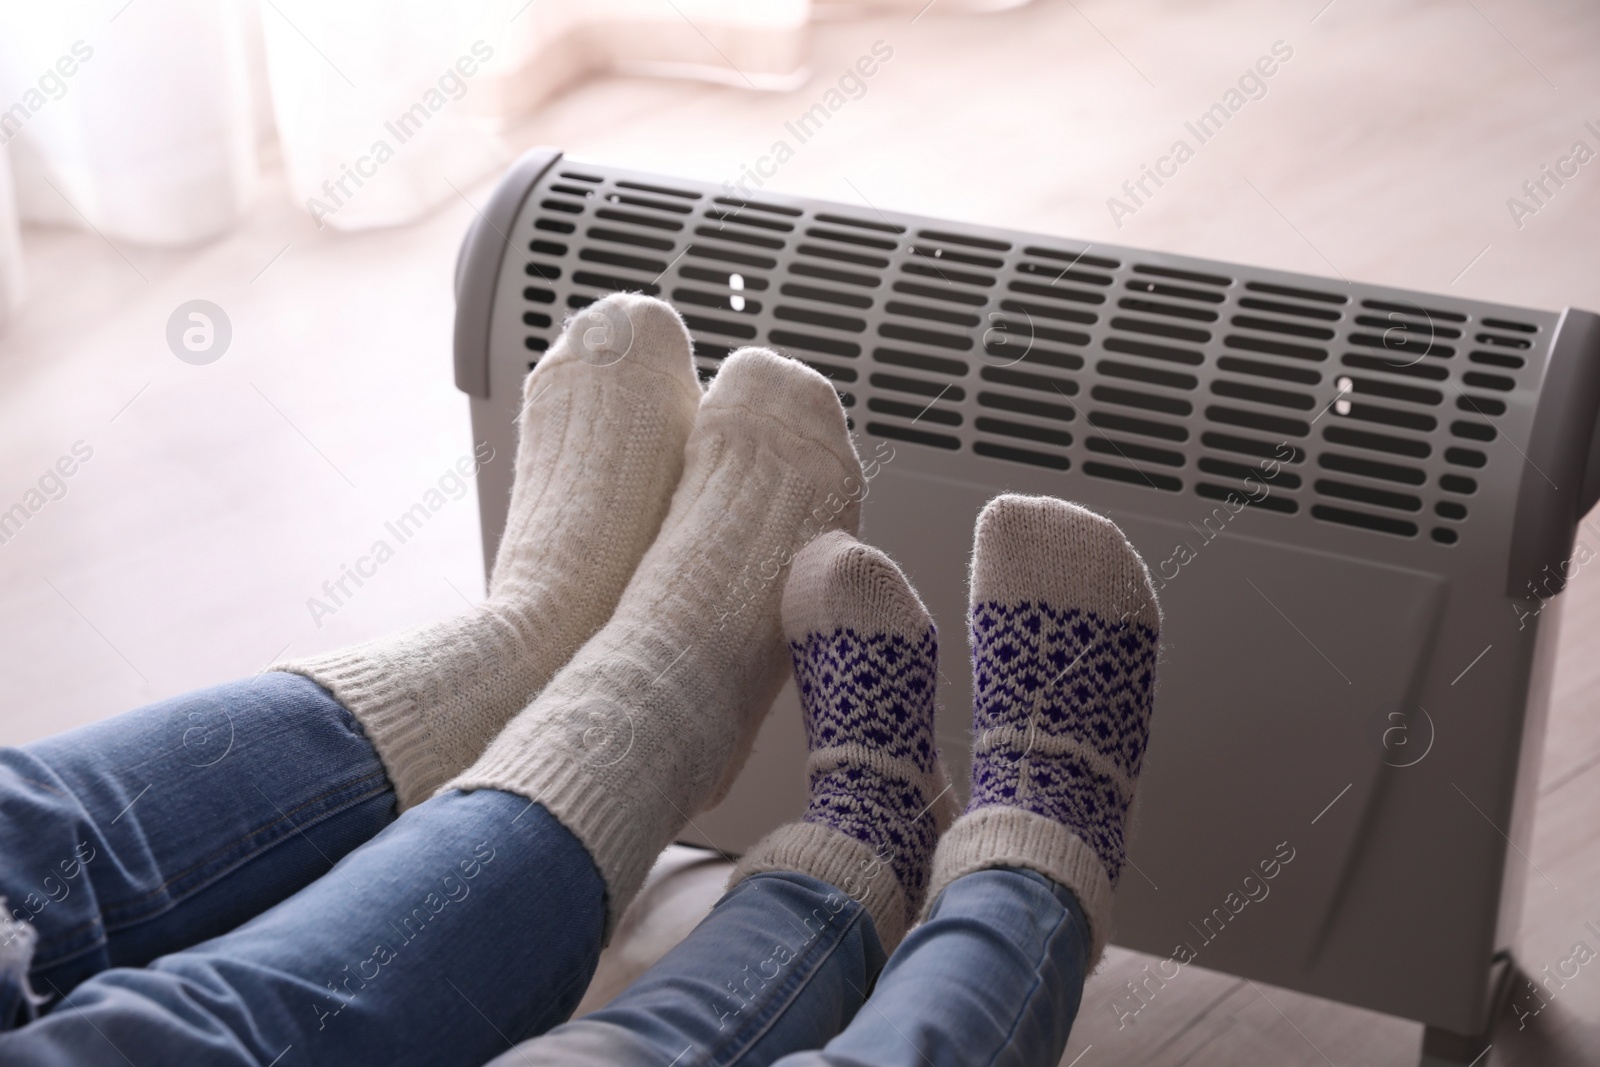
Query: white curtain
{"points": [[137, 121], [145, 119], [10, 244]]}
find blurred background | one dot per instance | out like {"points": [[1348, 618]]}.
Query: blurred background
{"points": [[307, 169]]}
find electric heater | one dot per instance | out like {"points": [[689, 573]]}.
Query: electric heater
{"points": [[1356, 502]]}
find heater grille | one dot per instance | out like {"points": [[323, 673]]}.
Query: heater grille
{"points": [[1296, 401]]}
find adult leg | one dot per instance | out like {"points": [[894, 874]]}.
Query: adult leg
{"points": [[147, 833], [136, 836], [471, 922], [605, 763]]}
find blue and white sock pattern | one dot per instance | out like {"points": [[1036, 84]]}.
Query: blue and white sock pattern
{"points": [[869, 705], [1062, 716], [866, 662], [1065, 632]]}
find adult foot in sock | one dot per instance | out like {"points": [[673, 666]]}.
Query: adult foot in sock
{"points": [[866, 662], [1065, 630], [652, 719], [604, 419]]}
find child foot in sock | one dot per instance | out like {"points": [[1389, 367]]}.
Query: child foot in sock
{"points": [[866, 661], [604, 419], [651, 720], [1065, 630]]}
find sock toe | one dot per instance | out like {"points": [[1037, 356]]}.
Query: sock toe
{"points": [[1031, 548], [624, 327], [836, 581], [786, 392]]}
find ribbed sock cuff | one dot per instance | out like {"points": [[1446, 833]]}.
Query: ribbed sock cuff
{"points": [[389, 715], [622, 845], [840, 860], [1012, 837]]}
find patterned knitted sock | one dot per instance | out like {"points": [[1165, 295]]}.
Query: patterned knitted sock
{"points": [[651, 721], [866, 661], [604, 419], [1065, 630]]}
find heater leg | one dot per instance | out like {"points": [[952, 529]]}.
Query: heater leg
{"points": [[1446, 1048]]}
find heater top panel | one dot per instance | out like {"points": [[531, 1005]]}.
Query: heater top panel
{"points": [[1349, 418]]}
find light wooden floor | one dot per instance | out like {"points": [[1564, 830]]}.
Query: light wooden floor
{"points": [[219, 498]]}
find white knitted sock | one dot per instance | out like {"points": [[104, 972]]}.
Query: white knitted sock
{"points": [[866, 662], [652, 719], [1065, 629], [604, 419]]}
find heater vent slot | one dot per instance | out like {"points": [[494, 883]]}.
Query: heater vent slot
{"points": [[741, 218], [1283, 326], [964, 239], [721, 301], [1228, 469], [897, 432], [856, 240], [1378, 364], [947, 293], [934, 416], [754, 240], [930, 391], [1161, 431], [1073, 258], [825, 296], [1280, 307], [1024, 405], [827, 346], [633, 218], [647, 203], [663, 190], [1052, 460], [1033, 310], [1151, 375], [1235, 495], [1414, 311], [1133, 476], [1158, 307], [826, 320], [1276, 371], [1364, 520], [1498, 359], [1486, 406], [1137, 398], [752, 205], [1026, 430], [933, 364], [1368, 468], [1132, 450], [1387, 416]]}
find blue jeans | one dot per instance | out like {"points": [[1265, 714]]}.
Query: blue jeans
{"points": [[221, 879], [785, 962]]}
